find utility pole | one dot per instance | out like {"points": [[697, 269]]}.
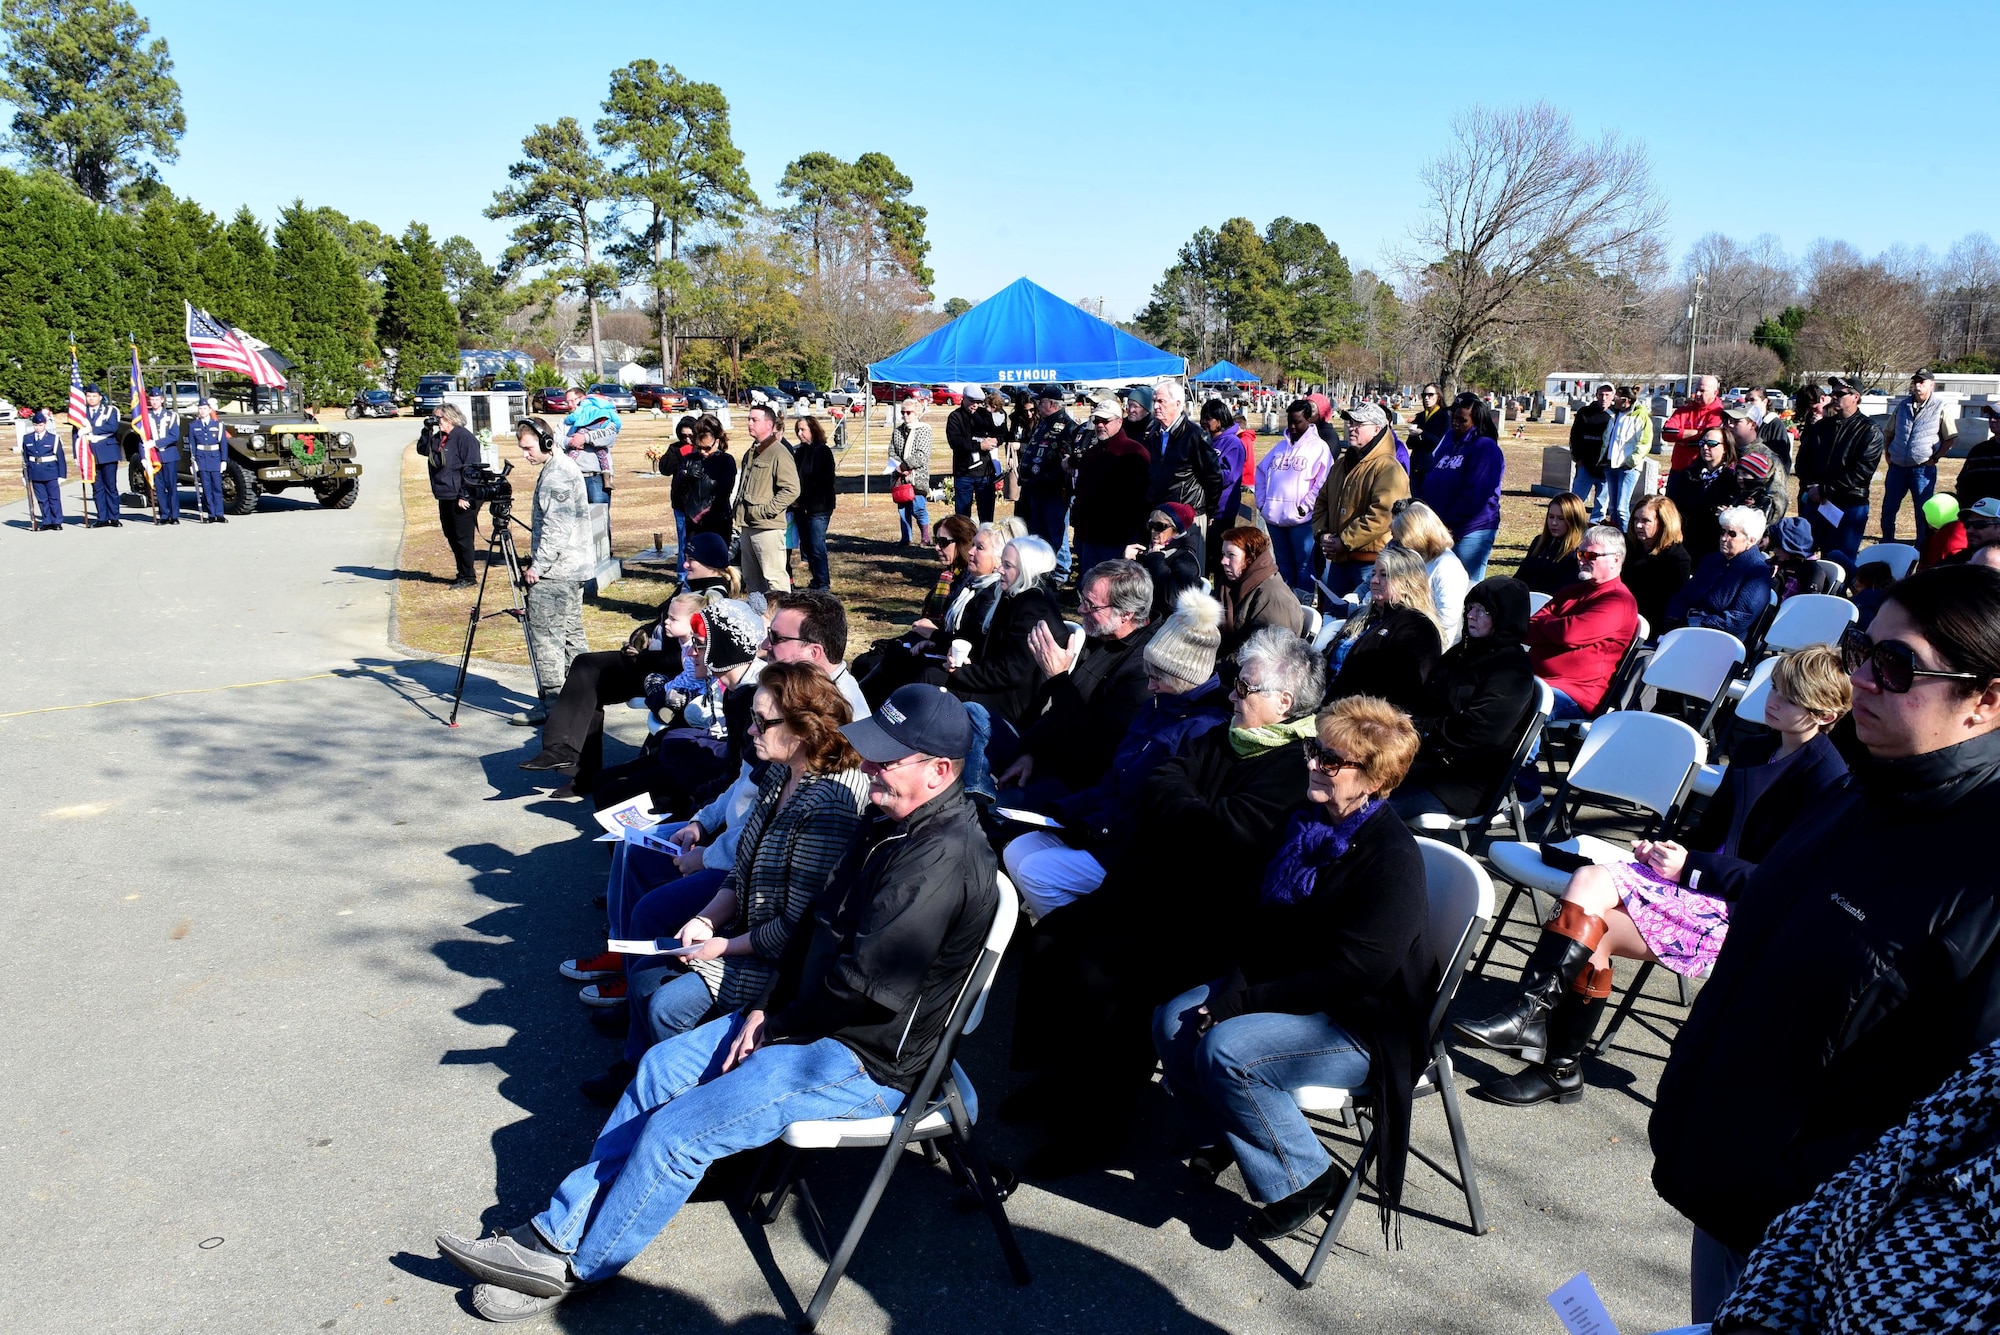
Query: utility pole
{"points": [[1694, 314]]}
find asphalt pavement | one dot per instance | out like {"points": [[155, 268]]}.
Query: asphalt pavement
{"points": [[280, 1003]]}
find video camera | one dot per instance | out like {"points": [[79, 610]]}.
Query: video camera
{"points": [[483, 484]]}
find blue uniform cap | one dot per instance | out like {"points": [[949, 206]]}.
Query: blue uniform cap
{"points": [[92, 389]]}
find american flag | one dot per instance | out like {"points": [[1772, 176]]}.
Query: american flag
{"points": [[142, 413], [221, 348], [79, 415]]}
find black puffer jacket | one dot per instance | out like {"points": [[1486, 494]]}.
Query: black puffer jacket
{"points": [[1586, 436], [1175, 569], [1862, 967], [1839, 456], [1476, 703], [1186, 468], [1002, 672]]}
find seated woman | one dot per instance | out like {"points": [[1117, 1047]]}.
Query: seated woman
{"points": [[1252, 592], [808, 806], [1172, 555], [1051, 869], [968, 587], [1793, 568], [1670, 904], [1550, 565], [1100, 965], [1475, 705], [1387, 648], [1656, 560], [1332, 985], [1001, 672], [708, 567], [1732, 585], [1417, 527]]}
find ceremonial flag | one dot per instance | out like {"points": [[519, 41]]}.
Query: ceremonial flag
{"points": [[222, 347], [79, 416], [142, 413]]}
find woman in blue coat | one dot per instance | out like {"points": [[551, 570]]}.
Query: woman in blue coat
{"points": [[1731, 587], [1463, 483]]}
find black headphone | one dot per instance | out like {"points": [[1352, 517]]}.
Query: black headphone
{"points": [[543, 436]]}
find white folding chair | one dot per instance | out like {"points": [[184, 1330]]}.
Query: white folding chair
{"points": [[1537, 601], [1749, 709], [1328, 628], [1900, 556], [1697, 662], [1836, 577], [939, 1115], [1645, 760], [1808, 618], [1504, 803], [1309, 630], [1461, 906]]}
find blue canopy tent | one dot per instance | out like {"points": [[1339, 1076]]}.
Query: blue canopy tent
{"points": [[1226, 373]]}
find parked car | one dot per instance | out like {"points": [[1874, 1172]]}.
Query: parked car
{"points": [[372, 403], [799, 389], [702, 400], [846, 393], [7, 413], [1777, 401], [663, 397], [897, 393], [617, 396], [946, 394], [509, 387], [431, 390], [551, 399], [769, 394]]}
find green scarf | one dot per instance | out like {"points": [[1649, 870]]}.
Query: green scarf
{"points": [[1256, 741]]}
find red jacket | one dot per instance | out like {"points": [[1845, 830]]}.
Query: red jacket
{"points": [[1684, 428], [1576, 642]]}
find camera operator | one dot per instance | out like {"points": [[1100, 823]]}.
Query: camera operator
{"points": [[451, 449], [562, 552]]}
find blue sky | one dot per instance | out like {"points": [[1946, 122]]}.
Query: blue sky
{"points": [[1080, 144]]}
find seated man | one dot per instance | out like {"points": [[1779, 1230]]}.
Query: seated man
{"points": [[857, 1011], [1578, 639]]}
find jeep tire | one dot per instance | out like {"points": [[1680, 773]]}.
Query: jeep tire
{"points": [[240, 489]]}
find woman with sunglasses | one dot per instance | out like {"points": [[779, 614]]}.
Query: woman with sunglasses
{"points": [[1332, 984], [1863, 962], [1731, 586], [1671, 904]]}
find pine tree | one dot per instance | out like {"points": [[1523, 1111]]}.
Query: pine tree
{"points": [[254, 306], [55, 279], [417, 320], [324, 328]]}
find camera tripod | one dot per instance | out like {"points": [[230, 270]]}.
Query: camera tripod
{"points": [[501, 544]]}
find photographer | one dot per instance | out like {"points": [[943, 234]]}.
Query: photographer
{"points": [[563, 550], [450, 448]]}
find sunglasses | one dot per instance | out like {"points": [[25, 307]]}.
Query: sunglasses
{"points": [[759, 723], [1161, 528], [1326, 758], [1893, 662]]}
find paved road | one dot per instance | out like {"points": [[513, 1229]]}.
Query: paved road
{"points": [[280, 1003]]}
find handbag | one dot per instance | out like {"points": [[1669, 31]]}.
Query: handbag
{"points": [[903, 493]]}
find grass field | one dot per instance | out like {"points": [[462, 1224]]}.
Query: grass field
{"points": [[881, 584]]}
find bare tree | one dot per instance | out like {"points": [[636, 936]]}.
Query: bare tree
{"points": [[1740, 362], [1965, 308], [1523, 221], [1865, 321], [1741, 283]]}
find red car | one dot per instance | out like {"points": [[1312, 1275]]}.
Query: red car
{"points": [[897, 393], [663, 397], [551, 400], [946, 394]]}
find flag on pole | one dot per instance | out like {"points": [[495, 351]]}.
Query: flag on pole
{"points": [[142, 413], [222, 347], [79, 416]]}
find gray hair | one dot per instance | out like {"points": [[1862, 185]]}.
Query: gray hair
{"points": [[1287, 663], [1036, 559], [1607, 537], [1171, 389], [1128, 587], [1745, 519], [450, 413], [1708, 382]]}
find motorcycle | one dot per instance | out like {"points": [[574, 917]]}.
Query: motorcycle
{"points": [[363, 406]]}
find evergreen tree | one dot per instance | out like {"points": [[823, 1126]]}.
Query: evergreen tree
{"points": [[253, 306], [561, 189], [172, 236], [417, 319], [324, 327], [475, 291], [55, 277]]}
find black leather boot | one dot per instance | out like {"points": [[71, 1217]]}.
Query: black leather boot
{"points": [[1560, 956], [1571, 1026]]}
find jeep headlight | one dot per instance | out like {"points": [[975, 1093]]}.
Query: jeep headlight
{"points": [[256, 442], [346, 439]]}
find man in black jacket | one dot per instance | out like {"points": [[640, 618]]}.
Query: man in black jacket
{"points": [[860, 1005], [1048, 464], [1186, 467], [1586, 450], [1432, 421], [976, 430], [1837, 462], [1091, 697], [451, 449]]}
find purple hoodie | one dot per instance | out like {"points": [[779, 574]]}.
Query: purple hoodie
{"points": [[1463, 484]]}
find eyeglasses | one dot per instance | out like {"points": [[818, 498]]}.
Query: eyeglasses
{"points": [[1584, 556], [759, 723], [1327, 759], [1243, 690], [772, 637], [1085, 606], [883, 767], [1893, 662]]}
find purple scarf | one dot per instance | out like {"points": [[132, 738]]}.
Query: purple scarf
{"points": [[1311, 844]]}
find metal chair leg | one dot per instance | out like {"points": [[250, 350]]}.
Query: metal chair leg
{"points": [[1333, 1226], [964, 1161], [1493, 933], [781, 1187], [1625, 1005], [1468, 1175], [857, 1226]]}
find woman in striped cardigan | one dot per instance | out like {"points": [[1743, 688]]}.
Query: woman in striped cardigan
{"points": [[809, 804]]}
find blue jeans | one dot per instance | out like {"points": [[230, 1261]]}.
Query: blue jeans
{"points": [[913, 515], [812, 541], [680, 545], [1844, 539], [679, 1115], [1292, 549], [1917, 481], [1609, 490], [681, 1003], [1048, 519], [1472, 551], [594, 490], [1233, 1083], [966, 490]]}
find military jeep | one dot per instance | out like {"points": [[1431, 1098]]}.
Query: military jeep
{"points": [[273, 444]]}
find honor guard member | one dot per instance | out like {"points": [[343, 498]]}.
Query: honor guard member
{"points": [[46, 466], [167, 482], [210, 444], [99, 435]]}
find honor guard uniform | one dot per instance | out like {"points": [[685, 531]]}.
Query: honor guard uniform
{"points": [[210, 444], [99, 435], [47, 465], [167, 482]]}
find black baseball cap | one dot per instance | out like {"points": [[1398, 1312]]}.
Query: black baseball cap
{"points": [[1839, 385], [915, 720], [1051, 392]]}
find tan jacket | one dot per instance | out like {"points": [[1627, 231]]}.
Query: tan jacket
{"points": [[766, 487], [1358, 498]]}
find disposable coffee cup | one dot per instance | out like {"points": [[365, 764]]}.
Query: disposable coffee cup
{"points": [[961, 652]]}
